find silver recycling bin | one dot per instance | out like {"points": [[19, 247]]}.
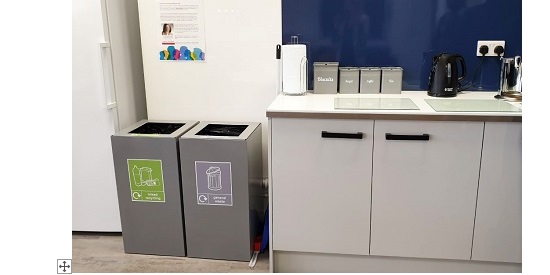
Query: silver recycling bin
{"points": [[221, 165], [146, 160]]}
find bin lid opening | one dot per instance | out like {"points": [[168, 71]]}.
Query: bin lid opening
{"points": [[223, 130], [157, 128]]}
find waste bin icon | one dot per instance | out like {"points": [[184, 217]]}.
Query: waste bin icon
{"points": [[214, 175]]}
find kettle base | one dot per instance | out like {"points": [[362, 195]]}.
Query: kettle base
{"points": [[512, 97], [441, 95]]}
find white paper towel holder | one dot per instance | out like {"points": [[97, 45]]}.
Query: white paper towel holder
{"points": [[301, 88], [303, 79]]}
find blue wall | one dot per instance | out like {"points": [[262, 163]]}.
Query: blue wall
{"points": [[405, 33]]}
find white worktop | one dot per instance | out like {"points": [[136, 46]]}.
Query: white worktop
{"points": [[322, 105]]}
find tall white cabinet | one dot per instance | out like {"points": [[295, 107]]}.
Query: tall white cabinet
{"points": [[108, 94], [497, 233]]}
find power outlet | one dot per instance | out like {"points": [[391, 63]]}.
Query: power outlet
{"points": [[492, 45]]}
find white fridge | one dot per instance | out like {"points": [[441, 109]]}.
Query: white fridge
{"points": [[108, 94]]}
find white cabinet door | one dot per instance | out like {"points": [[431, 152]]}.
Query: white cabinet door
{"points": [[424, 191], [497, 234], [321, 185]]}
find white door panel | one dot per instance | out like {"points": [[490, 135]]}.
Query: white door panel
{"points": [[497, 234], [321, 186], [95, 204], [424, 191]]}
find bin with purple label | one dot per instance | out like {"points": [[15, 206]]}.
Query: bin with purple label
{"points": [[221, 166]]}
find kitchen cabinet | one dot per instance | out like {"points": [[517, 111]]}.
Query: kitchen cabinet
{"points": [[402, 198], [497, 233], [424, 186], [322, 196]]}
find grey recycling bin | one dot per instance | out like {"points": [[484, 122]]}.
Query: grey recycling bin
{"points": [[221, 165], [146, 159]]}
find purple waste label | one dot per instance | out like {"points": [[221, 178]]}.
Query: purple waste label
{"points": [[214, 184]]}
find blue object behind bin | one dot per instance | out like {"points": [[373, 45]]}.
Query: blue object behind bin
{"points": [[265, 235]]}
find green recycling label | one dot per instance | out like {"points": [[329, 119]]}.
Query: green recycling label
{"points": [[146, 182]]}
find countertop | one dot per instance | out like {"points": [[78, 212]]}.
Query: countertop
{"points": [[322, 106]]}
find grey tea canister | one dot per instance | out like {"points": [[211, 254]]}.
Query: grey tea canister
{"points": [[370, 80], [392, 78], [325, 77], [349, 80]]}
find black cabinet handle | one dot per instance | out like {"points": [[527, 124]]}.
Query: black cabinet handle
{"points": [[325, 134], [407, 137]]}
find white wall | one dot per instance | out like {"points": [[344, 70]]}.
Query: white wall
{"points": [[236, 83]]}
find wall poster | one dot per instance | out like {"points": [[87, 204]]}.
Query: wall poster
{"points": [[181, 30]]}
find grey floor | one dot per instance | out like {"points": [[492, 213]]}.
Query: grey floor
{"points": [[99, 253]]}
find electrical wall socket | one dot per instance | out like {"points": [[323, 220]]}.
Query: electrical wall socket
{"points": [[491, 45]]}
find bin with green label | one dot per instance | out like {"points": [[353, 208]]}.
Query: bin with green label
{"points": [[147, 160]]}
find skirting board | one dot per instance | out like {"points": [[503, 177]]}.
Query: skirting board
{"points": [[296, 262]]}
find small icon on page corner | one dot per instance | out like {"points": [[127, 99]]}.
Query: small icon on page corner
{"points": [[64, 266]]}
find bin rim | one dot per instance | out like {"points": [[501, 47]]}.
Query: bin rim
{"points": [[192, 134], [188, 124]]}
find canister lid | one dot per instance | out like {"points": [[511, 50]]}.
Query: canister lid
{"points": [[392, 68], [349, 69], [326, 64], [369, 68]]}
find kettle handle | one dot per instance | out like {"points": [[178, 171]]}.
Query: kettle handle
{"points": [[463, 64], [517, 61]]}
